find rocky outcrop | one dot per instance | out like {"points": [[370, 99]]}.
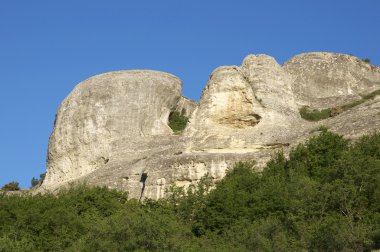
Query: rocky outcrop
{"points": [[323, 80], [112, 130], [127, 104]]}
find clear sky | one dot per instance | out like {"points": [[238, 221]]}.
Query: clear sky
{"points": [[47, 47]]}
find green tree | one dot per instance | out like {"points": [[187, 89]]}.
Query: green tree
{"points": [[34, 182], [324, 197], [42, 177]]}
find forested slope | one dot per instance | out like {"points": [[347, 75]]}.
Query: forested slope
{"points": [[324, 197]]}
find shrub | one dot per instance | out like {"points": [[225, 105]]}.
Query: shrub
{"points": [[12, 186], [367, 60], [177, 121], [314, 114]]}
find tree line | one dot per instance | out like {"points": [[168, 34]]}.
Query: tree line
{"points": [[325, 196]]}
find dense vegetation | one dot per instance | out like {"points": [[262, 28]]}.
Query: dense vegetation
{"points": [[177, 121], [324, 197], [310, 114]]}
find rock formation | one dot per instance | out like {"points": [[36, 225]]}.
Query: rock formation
{"points": [[112, 129], [326, 79]]}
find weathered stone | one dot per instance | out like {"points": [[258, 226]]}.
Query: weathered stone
{"points": [[336, 111], [227, 102], [112, 129], [323, 80], [271, 85], [186, 106], [126, 104]]}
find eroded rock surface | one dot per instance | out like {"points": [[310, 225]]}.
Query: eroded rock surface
{"points": [[323, 80], [105, 108], [112, 130]]}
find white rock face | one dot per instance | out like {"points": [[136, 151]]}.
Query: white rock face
{"points": [[127, 104], [112, 130], [244, 109], [271, 85], [227, 102], [323, 80]]}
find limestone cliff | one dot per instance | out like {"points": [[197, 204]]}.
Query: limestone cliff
{"points": [[113, 129]]}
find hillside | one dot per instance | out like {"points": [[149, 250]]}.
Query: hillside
{"points": [[325, 197]]}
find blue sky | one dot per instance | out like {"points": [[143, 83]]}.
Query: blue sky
{"points": [[47, 47]]}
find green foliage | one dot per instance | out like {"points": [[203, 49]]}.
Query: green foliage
{"points": [[42, 176], [371, 95], [324, 197], [95, 219], [11, 186], [230, 201], [36, 181], [316, 115], [362, 100], [367, 60], [352, 104], [177, 121]]}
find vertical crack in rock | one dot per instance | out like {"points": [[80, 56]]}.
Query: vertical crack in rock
{"points": [[143, 178]]}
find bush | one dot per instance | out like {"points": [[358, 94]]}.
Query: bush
{"points": [[177, 121], [12, 186], [314, 114], [367, 60]]}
